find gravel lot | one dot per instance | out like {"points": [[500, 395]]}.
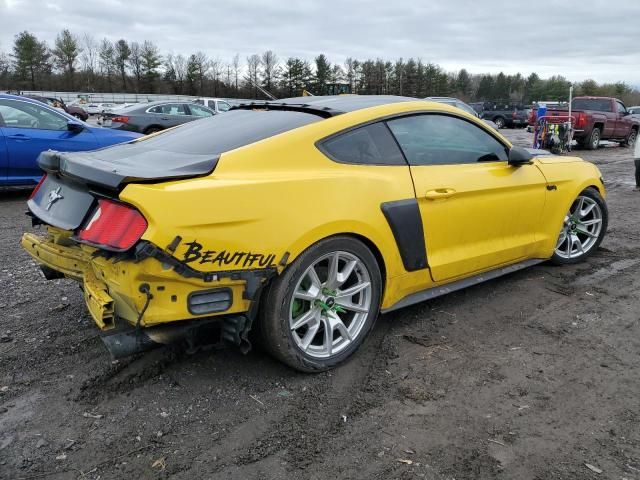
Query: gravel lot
{"points": [[531, 376]]}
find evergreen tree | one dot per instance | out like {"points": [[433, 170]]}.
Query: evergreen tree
{"points": [[66, 52], [122, 55], [31, 59]]}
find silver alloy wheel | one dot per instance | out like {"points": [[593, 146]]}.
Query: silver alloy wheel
{"points": [[330, 304], [595, 138], [581, 228]]}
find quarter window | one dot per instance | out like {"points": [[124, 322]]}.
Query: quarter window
{"points": [[369, 145], [444, 140], [170, 109], [199, 111]]}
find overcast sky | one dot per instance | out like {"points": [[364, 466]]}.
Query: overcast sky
{"points": [[597, 39]]}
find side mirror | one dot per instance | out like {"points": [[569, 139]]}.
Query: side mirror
{"points": [[74, 127], [519, 156]]}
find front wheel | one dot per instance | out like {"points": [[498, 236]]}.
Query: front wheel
{"points": [[321, 308], [499, 121], [583, 229]]}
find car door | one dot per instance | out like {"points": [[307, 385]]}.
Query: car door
{"points": [[175, 114], [624, 121], [28, 130], [4, 156], [478, 212]]}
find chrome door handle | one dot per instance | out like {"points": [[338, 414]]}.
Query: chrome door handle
{"points": [[439, 193]]}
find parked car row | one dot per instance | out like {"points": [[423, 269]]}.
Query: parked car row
{"points": [[29, 127]]}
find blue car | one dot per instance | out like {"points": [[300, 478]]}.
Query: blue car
{"points": [[28, 127]]}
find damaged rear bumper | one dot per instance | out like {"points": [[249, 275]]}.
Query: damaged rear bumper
{"points": [[149, 298]]}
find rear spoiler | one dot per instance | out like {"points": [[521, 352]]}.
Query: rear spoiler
{"points": [[116, 166]]}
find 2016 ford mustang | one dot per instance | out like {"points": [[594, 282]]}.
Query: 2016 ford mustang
{"points": [[303, 219]]}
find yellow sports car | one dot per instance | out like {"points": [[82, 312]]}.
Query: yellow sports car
{"points": [[303, 219]]}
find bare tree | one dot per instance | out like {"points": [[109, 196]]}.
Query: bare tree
{"points": [[235, 63], [269, 63], [253, 67], [215, 70], [135, 63], [89, 59]]}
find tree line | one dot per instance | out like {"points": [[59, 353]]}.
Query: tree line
{"points": [[83, 63]]}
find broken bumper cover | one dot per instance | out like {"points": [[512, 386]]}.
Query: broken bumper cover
{"points": [[142, 300]]}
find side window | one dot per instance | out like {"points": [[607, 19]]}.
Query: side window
{"points": [[621, 108], [223, 106], [29, 115], [175, 109], [444, 140], [368, 145], [199, 111]]}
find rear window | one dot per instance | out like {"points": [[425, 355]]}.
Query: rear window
{"points": [[221, 133], [596, 104]]}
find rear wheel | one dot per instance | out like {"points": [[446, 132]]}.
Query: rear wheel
{"points": [[319, 311], [594, 139], [632, 138], [499, 121], [151, 130], [583, 228]]}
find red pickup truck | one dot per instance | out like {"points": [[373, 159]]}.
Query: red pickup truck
{"points": [[599, 118]]}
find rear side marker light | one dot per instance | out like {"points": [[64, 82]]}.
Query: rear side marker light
{"points": [[209, 301], [35, 190], [113, 226]]}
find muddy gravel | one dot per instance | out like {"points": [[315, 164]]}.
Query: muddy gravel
{"points": [[531, 376]]}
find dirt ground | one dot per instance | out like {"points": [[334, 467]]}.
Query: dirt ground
{"points": [[535, 375]]}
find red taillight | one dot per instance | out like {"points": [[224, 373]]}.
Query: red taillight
{"points": [[514, 114], [581, 120], [35, 190], [120, 119], [113, 226]]}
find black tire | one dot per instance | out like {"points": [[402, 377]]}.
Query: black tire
{"points": [[274, 331], [151, 130], [500, 122], [595, 195], [78, 116], [632, 138], [594, 139]]}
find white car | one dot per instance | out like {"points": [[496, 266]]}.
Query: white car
{"points": [[216, 104], [96, 108]]}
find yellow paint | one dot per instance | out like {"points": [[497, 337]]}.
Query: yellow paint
{"points": [[281, 195]]}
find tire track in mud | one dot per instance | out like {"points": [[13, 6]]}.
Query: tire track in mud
{"points": [[125, 375], [313, 422]]}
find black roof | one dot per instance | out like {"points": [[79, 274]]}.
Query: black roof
{"points": [[326, 106]]}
